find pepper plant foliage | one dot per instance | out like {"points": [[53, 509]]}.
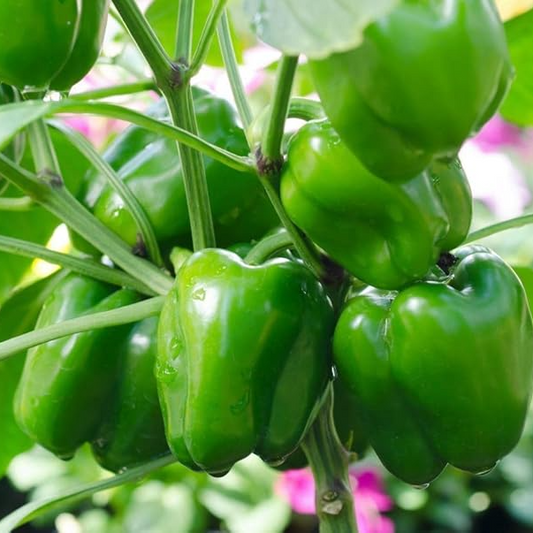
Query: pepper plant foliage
{"points": [[189, 174]]}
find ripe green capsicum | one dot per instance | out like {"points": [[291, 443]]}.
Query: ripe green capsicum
{"points": [[385, 234], [233, 342], [132, 431], [425, 77], [66, 383], [50, 44], [442, 370], [150, 165]]}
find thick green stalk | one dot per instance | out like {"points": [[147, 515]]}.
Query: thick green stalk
{"points": [[329, 463], [206, 38], [197, 193], [105, 319], [271, 158], [87, 267], [184, 32], [232, 69], [50, 192]]}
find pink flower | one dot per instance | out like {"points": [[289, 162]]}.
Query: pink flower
{"points": [[498, 133], [298, 487]]}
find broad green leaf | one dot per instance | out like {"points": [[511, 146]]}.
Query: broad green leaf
{"points": [[315, 28], [17, 316], [163, 16], [35, 509], [518, 106]]}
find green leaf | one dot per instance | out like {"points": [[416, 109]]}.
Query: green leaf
{"points": [[315, 28], [17, 316], [14, 117], [163, 16], [518, 106], [32, 510]]}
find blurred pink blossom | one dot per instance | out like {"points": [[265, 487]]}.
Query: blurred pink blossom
{"points": [[298, 487], [498, 133]]}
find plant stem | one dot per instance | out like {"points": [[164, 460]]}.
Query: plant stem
{"points": [[232, 69], [37, 508], [105, 319], [196, 191], [206, 38], [303, 246], [305, 109], [269, 246], [184, 31], [50, 192], [16, 204], [87, 267], [179, 97], [329, 463], [146, 39], [147, 236], [512, 223], [116, 90], [271, 157], [240, 163]]}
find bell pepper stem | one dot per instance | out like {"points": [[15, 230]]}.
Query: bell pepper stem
{"points": [[512, 223], [116, 317], [206, 38], [270, 152], [84, 266], [184, 31], [329, 463], [268, 246], [232, 69]]}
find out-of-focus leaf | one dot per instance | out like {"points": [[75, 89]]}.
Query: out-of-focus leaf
{"points": [[14, 117], [17, 316], [314, 28], [518, 105], [163, 16]]}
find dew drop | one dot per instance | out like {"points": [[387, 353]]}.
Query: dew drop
{"points": [[199, 294], [422, 486]]}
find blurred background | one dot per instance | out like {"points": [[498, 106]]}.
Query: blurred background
{"points": [[253, 497]]}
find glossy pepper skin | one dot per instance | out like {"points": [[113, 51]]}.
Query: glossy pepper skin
{"points": [[425, 77], [132, 431], [385, 234], [87, 46], [442, 370], [233, 342], [66, 383], [54, 42], [151, 167]]}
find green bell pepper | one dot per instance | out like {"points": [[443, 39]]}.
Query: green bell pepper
{"points": [[150, 165], [385, 234], [442, 370], [237, 345], [53, 43], [425, 77], [66, 383], [132, 431]]}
